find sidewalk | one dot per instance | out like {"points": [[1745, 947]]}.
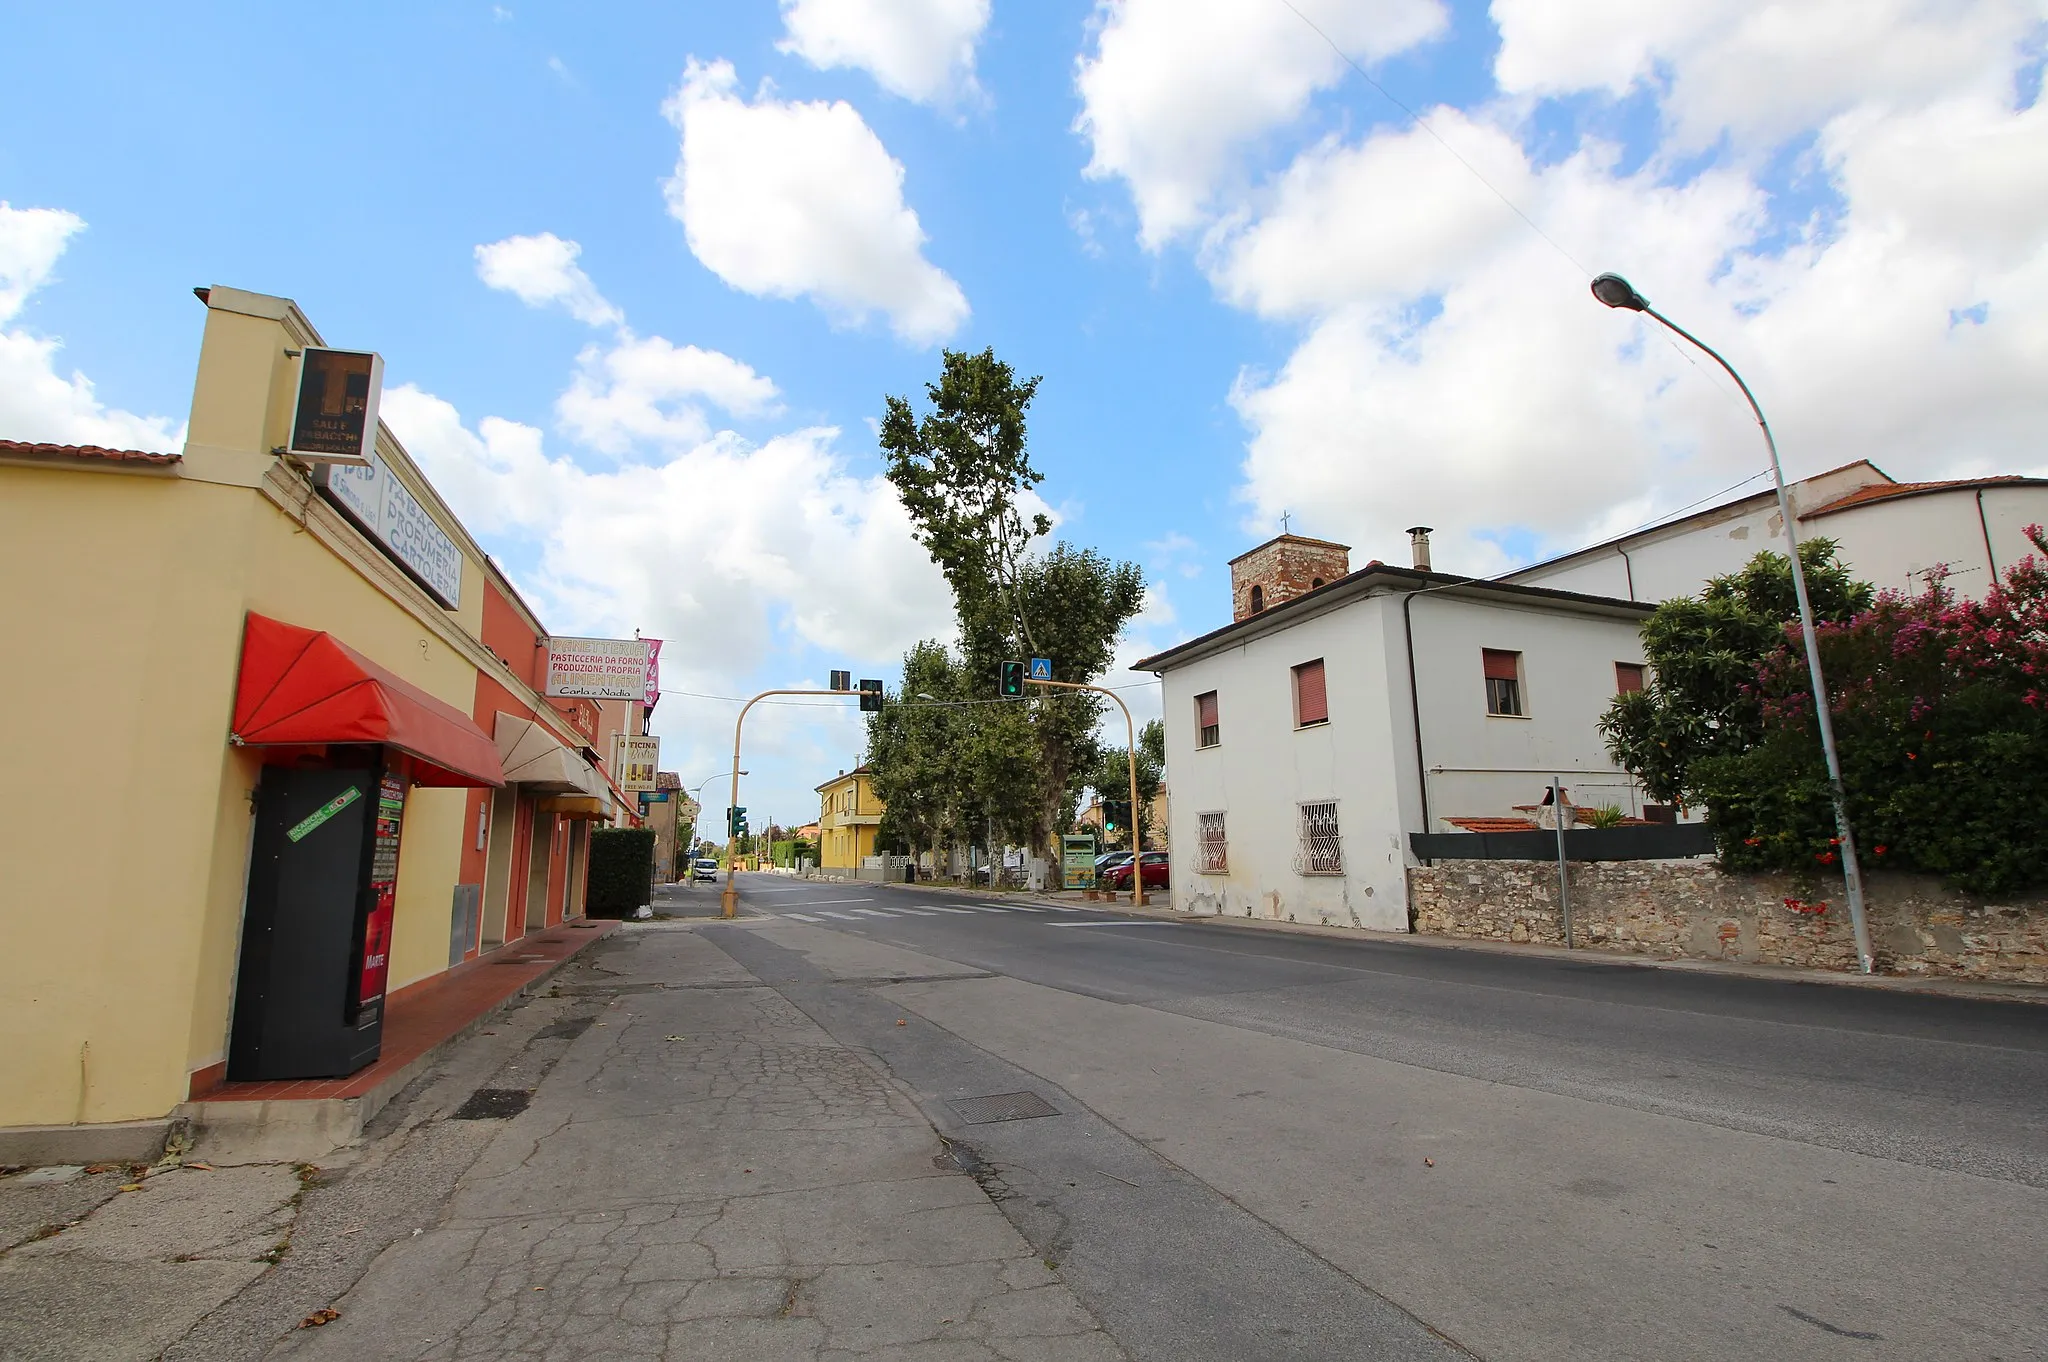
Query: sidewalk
{"points": [[706, 1174]]}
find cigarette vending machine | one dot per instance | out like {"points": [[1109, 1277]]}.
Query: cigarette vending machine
{"points": [[316, 932]]}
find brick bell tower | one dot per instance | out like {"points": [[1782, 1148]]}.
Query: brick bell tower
{"points": [[1281, 569]]}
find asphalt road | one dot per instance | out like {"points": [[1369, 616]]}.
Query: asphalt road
{"points": [[1296, 1146]]}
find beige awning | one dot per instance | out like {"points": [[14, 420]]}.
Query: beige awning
{"points": [[537, 759]]}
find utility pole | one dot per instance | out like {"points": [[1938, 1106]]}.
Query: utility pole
{"points": [[1137, 842]]}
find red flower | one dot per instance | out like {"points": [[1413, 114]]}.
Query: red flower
{"points": [[1878, 849], [1825, 857]]}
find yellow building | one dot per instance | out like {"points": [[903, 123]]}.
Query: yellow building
{"points": [[849, 813], [145, 595]]}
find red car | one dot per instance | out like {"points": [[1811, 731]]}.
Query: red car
{"points": [[1119, 877]]}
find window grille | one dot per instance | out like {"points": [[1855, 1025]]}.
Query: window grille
{"points": [[1212, 852], [1322, 850], [1311, 698], [1208, 732], [1503, 681]]}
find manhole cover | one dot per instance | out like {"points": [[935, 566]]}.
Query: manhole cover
{"points": [[568, 1028], [1003, 1106], [493, 1104]]}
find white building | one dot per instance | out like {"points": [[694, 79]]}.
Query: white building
{"points": [[1340, 711], [1888, 532]]}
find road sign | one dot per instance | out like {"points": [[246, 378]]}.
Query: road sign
{"points": [[842, 680], [1041, 669], [1012, 678], [870, 696]]}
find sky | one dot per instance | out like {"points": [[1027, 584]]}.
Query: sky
{"points": [[642, 276]]}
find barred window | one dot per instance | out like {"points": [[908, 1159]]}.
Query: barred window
{"points": [[1212, 852], [1322, 851]]}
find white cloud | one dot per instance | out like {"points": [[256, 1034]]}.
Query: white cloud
{"points": [[1760, 71], [728, 547], [637, 390], [922, 50], [1177, 89], [542, 270], [37, 403], [788, 200], [1455, 372]]}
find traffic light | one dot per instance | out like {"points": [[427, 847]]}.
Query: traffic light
{"points": [[1113, 813], [870, 696], [736, 819], [1012, 678]]}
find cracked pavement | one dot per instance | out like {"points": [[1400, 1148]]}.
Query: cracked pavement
{"points": [[706, 1173]]}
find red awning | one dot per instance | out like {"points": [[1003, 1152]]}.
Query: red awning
{"points": [[300, 687]]}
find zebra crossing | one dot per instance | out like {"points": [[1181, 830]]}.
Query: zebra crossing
{"points": [[843, 910]]}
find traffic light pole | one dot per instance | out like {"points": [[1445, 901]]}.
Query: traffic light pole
{"points": [[729, 901], [1137, 821]]}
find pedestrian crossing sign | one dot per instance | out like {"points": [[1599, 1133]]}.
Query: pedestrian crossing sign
{"points": [[1041, 669]]}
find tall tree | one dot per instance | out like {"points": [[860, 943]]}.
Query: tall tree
{"points": [[1110, 777], [963, 470]]}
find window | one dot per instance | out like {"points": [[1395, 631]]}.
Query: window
{"points": [[1311, 699], [1322, 851], [1314, 582], [1212, 854], [1628, 677], [1503, 682], [1207, 731], [1258, 599]]}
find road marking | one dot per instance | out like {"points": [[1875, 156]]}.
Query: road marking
{"points": [[875, 912], [977, 908], [813, 903], [800, 917], [917, 912], [843, 917], [1022, 908], [1112, 924], [942, 908]]}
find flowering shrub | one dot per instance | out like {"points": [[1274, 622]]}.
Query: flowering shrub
{"points": [[1940, 711]]}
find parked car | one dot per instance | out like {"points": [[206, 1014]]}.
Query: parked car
{"points": [[703, 868], [1109, 861], [1119, 876]]}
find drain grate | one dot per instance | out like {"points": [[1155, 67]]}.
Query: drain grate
{"points": [[493, 1104], [568, 1028], [1003, 1106]]}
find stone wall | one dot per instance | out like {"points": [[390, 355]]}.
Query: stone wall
{"points": [[1694, 909], [1284, 568]]}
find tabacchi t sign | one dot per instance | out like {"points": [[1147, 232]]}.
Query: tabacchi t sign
{"points": [[336, 417]]}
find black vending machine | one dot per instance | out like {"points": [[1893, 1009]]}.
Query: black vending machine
{"points": [[316, 933]]}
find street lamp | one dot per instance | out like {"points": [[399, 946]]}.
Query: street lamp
{"points": [[1617, 292]]}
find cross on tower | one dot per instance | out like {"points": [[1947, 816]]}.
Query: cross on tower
{"points": [[1283, 521]]}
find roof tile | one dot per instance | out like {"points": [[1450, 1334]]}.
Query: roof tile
{"points": [[33, 450]]}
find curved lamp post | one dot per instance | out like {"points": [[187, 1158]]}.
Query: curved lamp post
{"points": [[1617, 292]]}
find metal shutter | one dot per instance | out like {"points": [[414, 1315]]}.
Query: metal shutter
{"points": [[1311, 699], [1501, 666]]}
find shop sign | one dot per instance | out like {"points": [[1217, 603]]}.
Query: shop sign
{"points": [[634, 759], [598, 669], [383, 509], [1077, 862], [335, 419], [653, 671]]}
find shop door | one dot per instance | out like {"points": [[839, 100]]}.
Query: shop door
{"points": [[540, 841], [499, 863], [579, 867]]}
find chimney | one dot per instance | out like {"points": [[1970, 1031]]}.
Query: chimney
{"points": [[1418, 540]]}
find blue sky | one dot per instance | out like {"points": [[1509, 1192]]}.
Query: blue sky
{"points": [[1248, 283]]}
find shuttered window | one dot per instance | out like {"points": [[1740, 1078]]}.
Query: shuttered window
{"points": [[1208, 732], [1503, 681], [1311, 698], [1628, 677]]}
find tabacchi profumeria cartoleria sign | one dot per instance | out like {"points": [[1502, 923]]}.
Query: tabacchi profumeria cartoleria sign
{"points": [[336, 417]]}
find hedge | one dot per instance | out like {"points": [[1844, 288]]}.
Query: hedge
{"points": [[621, 871]]}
